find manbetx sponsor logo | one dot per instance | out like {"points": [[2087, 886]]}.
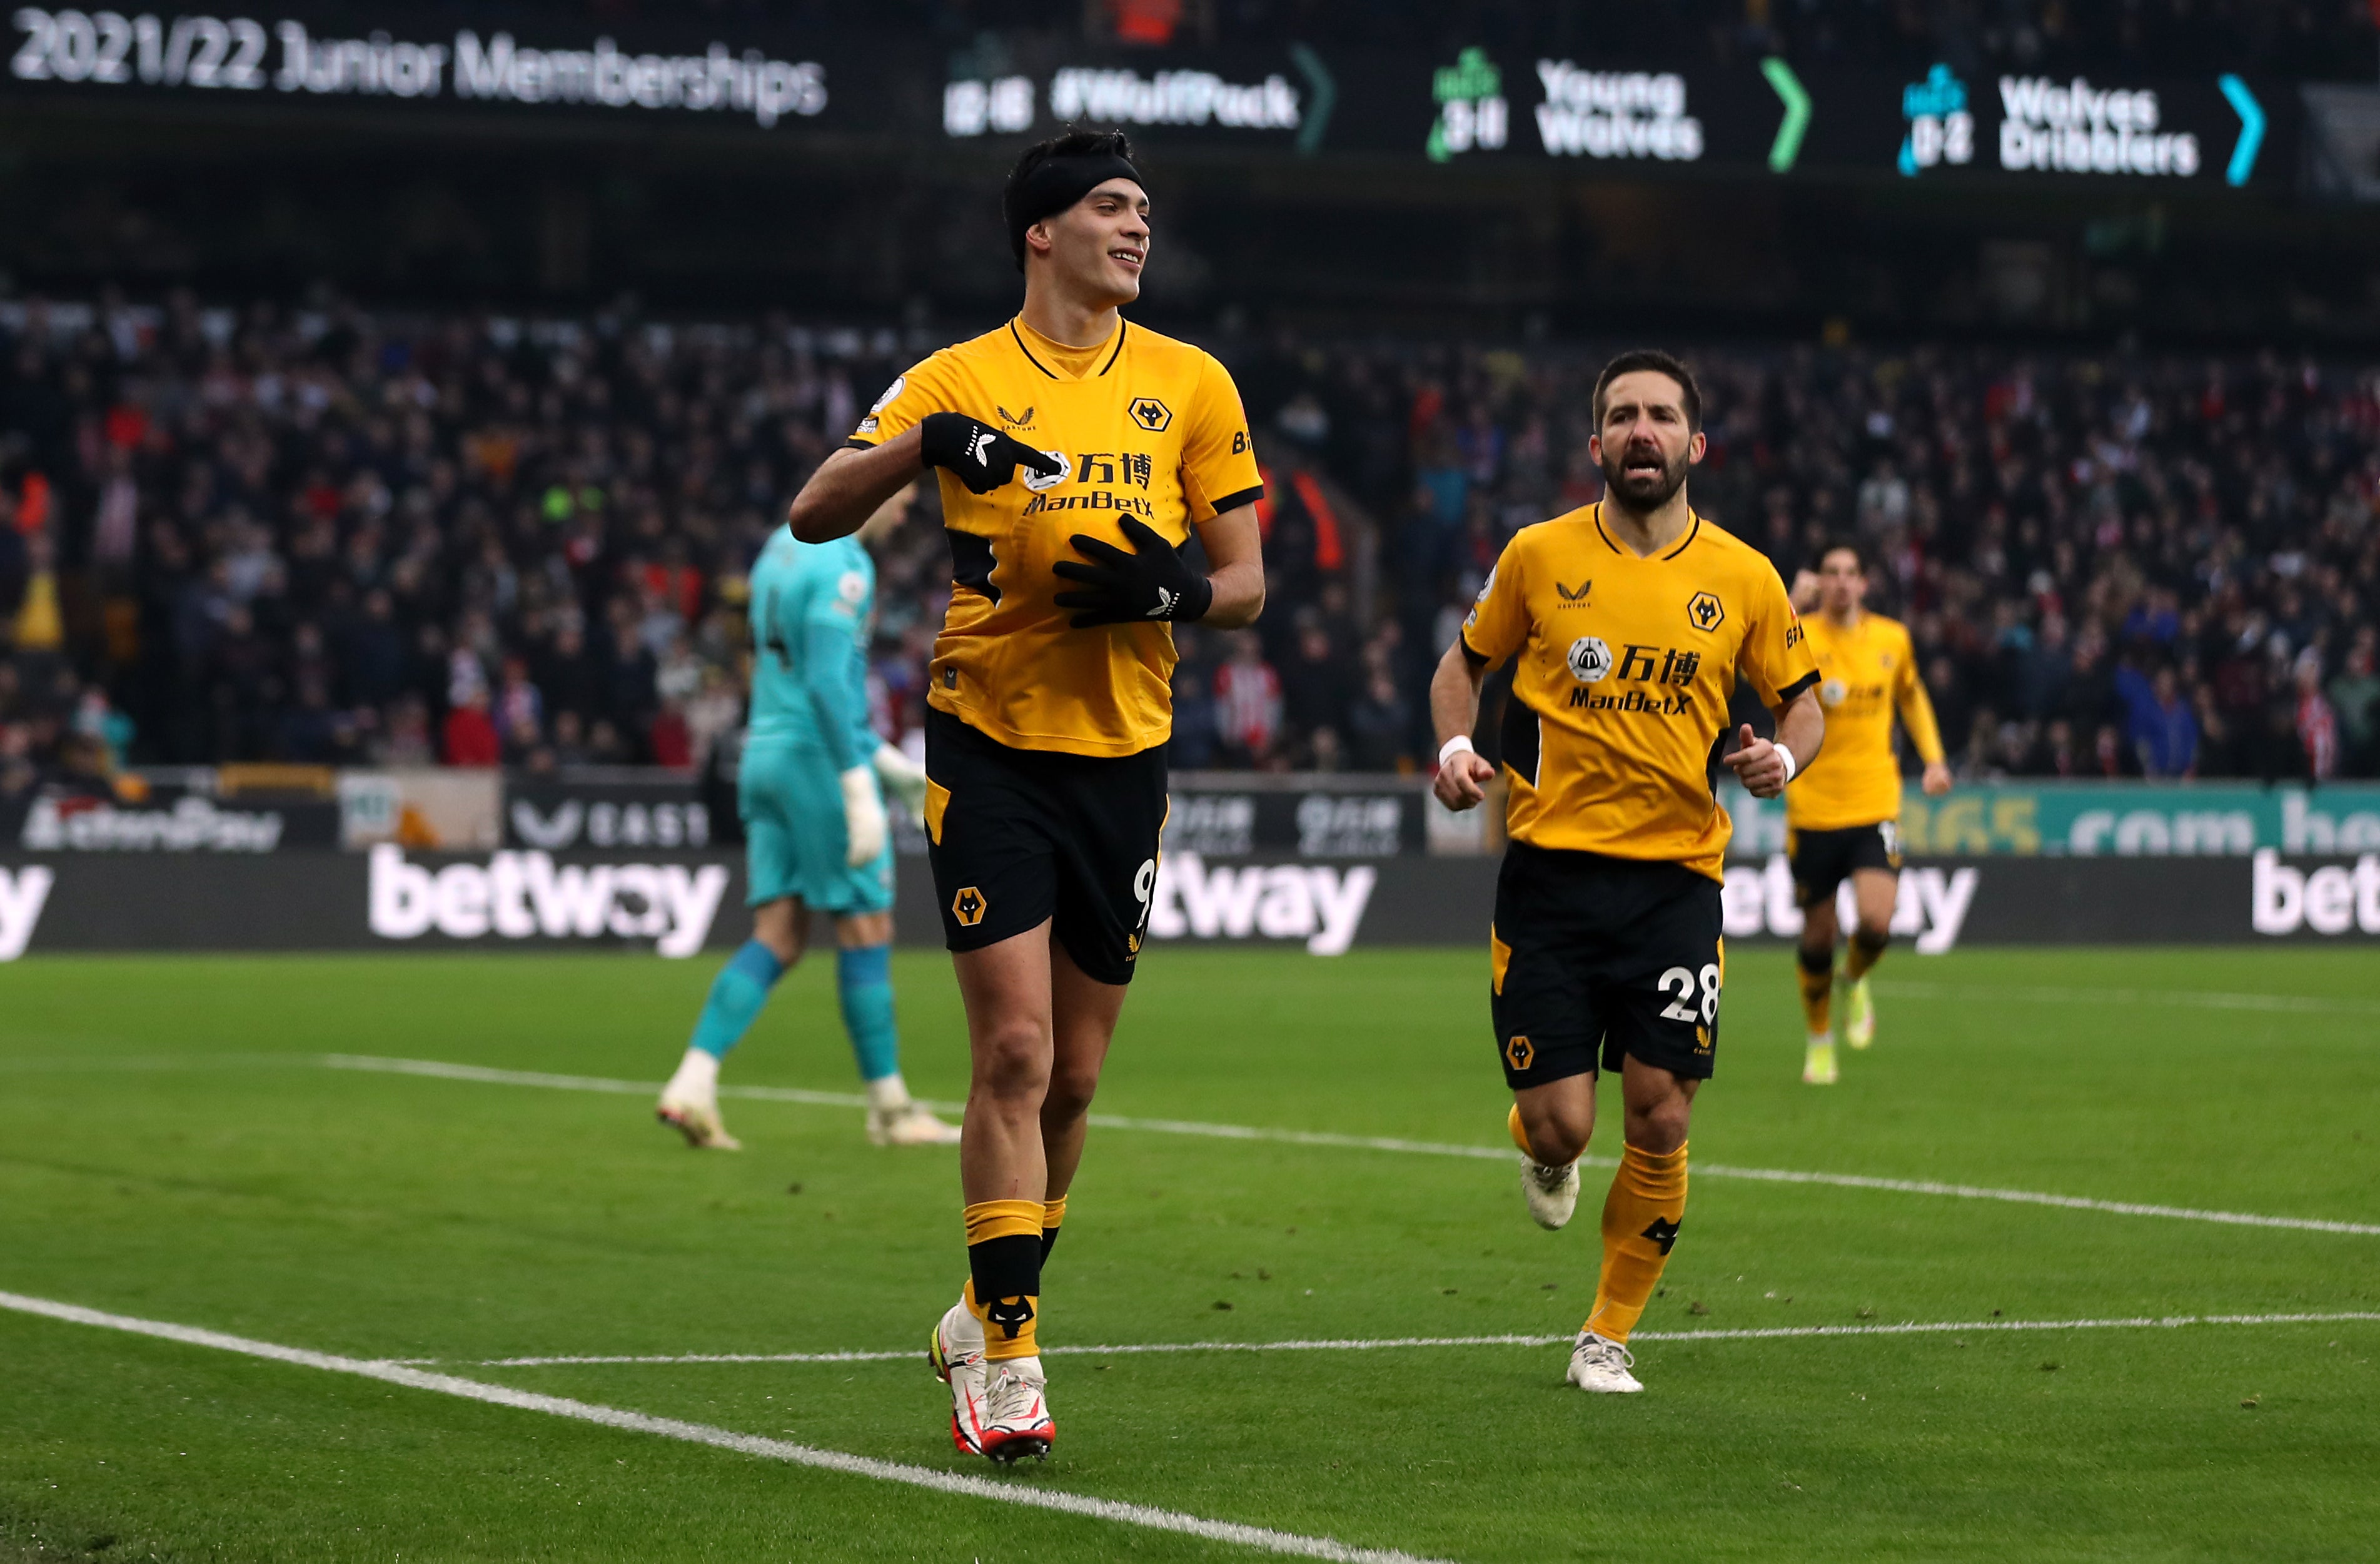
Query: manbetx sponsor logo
{"points": [[519, 895]]}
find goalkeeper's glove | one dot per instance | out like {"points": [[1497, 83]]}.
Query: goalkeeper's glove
{"points": [[903, 778], [863, 817], [977, 455], [1154, 582]]}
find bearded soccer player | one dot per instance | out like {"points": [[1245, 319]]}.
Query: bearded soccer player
{"points": [[1842, 818], [1077, 453], [1630, 620], [810, 793]]}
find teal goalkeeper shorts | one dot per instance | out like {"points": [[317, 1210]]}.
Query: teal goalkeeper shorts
{"points": [[794, 839]]}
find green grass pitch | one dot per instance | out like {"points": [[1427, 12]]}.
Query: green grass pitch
{"points": [[169, 1149]]}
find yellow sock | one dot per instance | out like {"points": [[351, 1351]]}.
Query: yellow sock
{"points": [[1817, 993], [1640, 1223], [1053, 1216], [1860, 959], [1520, 1135], [1003, 1286]]}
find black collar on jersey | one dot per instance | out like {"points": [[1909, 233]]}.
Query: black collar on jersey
{"points": [[1683, 544], [1056, 184], [1122, 326]]}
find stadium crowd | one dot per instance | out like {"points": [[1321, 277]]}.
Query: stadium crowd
{"points": [[330, 538]]}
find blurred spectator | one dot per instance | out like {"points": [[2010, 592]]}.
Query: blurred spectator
{"points": [[2317, 724], [1378, 728], [470, 736], [40, 626], [2161, 728], [1197, 733], [1315, 693], [2355, 699], [1247, 703]]}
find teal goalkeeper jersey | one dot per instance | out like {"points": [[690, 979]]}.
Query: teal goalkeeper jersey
{"points": [[811, 606]]}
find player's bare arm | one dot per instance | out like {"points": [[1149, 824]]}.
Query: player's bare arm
{"points": [[1463, 773], [1234, 548], [852, 483], [1758, 763]]}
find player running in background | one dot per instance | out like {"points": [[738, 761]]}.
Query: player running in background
{"points": [[1050, 700], [1841, 816], [1631, 619], [815, 837]]}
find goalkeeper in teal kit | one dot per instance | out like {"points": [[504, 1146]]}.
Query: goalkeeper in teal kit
{"points": [[811, 798]]}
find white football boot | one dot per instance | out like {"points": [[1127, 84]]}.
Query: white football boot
{"points": [[1602, 1367], [1818, 1061], [698, 1121], [689, 1104], [956, 1351], [1551, 1191], [908, 1124], [1016, 1415]]}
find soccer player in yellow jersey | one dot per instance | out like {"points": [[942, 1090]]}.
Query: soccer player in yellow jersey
{"points": [[1078, 452], [1630, 620], [1841, 817]]}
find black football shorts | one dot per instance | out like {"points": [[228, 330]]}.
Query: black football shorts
{"points": [[1822, 860], [1016, 836], [1598, 958]]}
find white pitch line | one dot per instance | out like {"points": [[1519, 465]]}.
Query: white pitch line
{"points": [[2182, 998], [2032, 1198], [1012, 1492], [1390, 1144], [1764, 1333]]}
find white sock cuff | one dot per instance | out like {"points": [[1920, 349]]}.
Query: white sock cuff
{"points": [[698, 1073]]}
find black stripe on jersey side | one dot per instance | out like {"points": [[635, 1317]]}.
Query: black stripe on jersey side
{"points": [[1122, 327], [1785, 696], [858, 445], [1244, 497], [1029, 353], [971, 563], [1692, 533], [1522, 737]]}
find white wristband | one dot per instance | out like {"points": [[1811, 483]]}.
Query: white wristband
{"points": [[1459, 745], [1790, 767]]}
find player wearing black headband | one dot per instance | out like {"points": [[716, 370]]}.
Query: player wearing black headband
{"points": [[1077, 453]]}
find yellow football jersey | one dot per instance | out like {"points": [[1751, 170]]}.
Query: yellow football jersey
{"points": [[1625, 668], [1146, 426], [1864, 673]]}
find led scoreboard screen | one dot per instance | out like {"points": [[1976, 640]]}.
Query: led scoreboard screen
{"points": [[1474, 104]]}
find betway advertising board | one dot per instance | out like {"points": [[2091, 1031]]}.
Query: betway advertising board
{"points": [[678, 904], [2103, 819]]}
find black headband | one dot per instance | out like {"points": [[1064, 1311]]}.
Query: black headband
{"points": [[1056, 183]]}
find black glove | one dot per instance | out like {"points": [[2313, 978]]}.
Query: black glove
{"points": [[1125, 588], [979, 456]]}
